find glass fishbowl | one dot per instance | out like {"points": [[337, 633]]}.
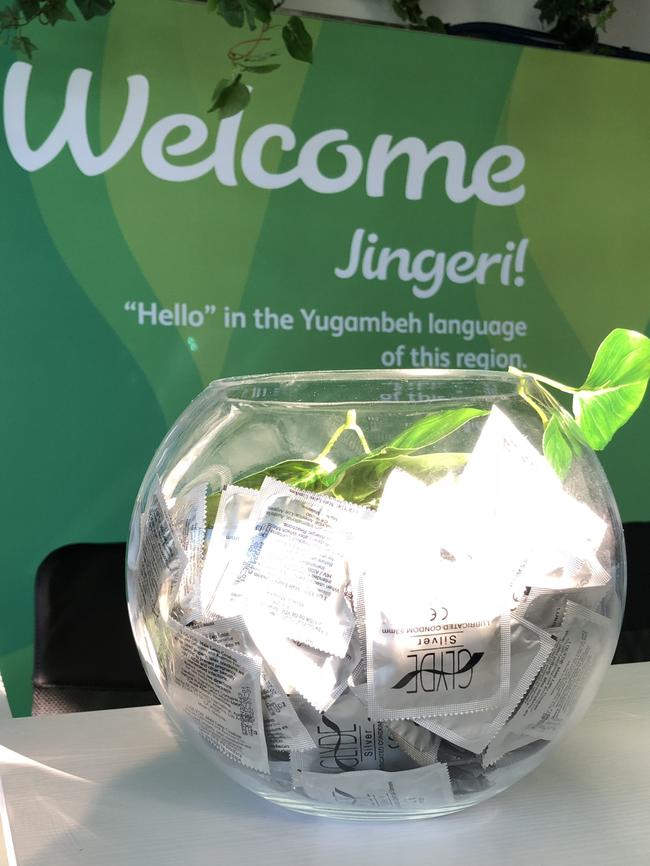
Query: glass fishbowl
{"points": [[370, 594]]}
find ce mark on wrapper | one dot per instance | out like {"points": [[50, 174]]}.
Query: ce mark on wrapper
{"points": [[409, 678], [419, 668]]}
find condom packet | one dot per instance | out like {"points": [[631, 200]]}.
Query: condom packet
{"points": [[468, 779], [530, 648], [546, 607], [359, 674], [218, 691], [281, 773], [283, 729], [160, 559], [516, 763], [294, 573], [508, 742], [410, 679], [582, 580], [415, 741], [568, 556], [560, 691], [231, 527], [340, 671], [347, 739], [317, 676], [369, 790], [438, 637], [514, 512], [188, 519]]}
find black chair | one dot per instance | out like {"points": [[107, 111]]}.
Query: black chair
{"points": [[85, 657], [634, 642]]}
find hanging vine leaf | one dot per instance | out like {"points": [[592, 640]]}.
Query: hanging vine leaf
{"points": [[231, 11], [29, 8], [435, 24], [92, 8], [9, 18], [262, 9], [52, 13], [576, 24], [230, 97], [250, 16], [297, 40], [409, 10], [217, 93], [615, 386], [23, 45], [261, 68]]}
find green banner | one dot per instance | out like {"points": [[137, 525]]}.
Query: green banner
{"points": [[408, 200]]}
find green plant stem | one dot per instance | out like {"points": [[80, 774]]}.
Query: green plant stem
{"points": [[551, 382], [20, 24], [236, 58], [350, 424], [521, 390]]}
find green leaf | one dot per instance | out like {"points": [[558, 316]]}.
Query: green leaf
{"points": [[10, 18], [23, 45], [263, 9], [293, 472], [230, 97], [218, 90], [435, 427], [435, 24], [615, 386], [428, 467], [211, 508], [604, 15], [297, 39], [547, 10], [362, 481], [557, 446], [409, 10], [212, 5], [232, 11], [250, 16], [57, 12], [92, 8], [29, 8], [260, 68]]}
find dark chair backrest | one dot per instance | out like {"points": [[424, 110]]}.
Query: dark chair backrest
{"points": [[85, 656], [634, 642]]}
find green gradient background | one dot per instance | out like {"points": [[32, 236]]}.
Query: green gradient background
{"points": [[87, 394]]}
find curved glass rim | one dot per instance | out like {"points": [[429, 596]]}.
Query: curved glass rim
{"points": [[375, 374], [228, 386]]}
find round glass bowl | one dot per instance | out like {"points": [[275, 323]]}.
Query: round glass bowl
{"points": [[373, 594]]}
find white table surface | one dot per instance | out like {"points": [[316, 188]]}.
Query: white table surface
{"points": [[113, 789]]}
